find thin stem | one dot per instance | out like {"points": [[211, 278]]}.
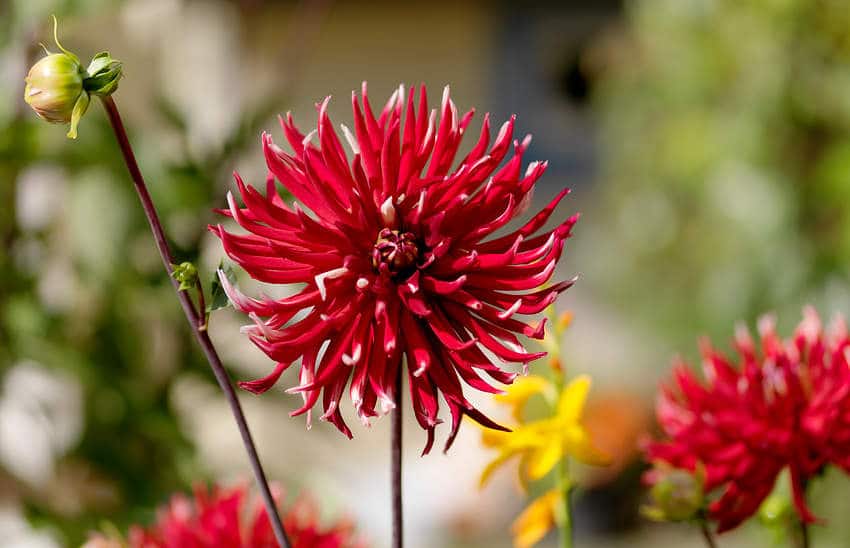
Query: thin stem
{"points": [[564, 489], [398, 514], [804, 535], [202, 307], [564, 485], [707, 534], [194, 318]]}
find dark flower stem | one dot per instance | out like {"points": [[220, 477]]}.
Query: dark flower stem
{"points": [[195, 319], [398, 517], [803, 540], [804, 535], [202, 307], [707, 535]]}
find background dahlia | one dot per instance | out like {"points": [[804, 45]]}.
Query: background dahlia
{"points": [[398, 259], [786, 404], [218, 517]]}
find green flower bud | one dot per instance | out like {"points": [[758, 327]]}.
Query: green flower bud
{"points": [[777, 512], [187, 274], [677, 495], [55, 87]]}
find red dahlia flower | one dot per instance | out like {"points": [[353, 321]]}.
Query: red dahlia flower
{"points": [[786, 405], [398, 258], [218, 517]]}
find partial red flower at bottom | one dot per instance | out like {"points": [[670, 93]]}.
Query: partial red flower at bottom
{"points": [[785, 405], [219, 517], [400, 257]]}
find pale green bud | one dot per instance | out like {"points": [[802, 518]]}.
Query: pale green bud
{"points": [[677, 495], [55, 86], [777, 513]]}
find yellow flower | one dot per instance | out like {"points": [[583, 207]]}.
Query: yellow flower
{"points": [[542, 444], [536, 520], [523, 389]]}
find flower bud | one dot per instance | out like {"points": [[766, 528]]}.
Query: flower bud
{"points": [[59, 88], [776, 509], [777, 513], [677, 495], [187, 274], [54, 85]]}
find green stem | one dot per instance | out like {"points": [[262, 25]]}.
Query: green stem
{"points": [[707, 535], [203, 316], [803, 539], [804, 535], [564, 485], [195, 319], [564, 489]]}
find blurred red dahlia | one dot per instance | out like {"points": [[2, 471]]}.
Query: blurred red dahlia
{"points": [[398, 259], [786, 405], [218, 517]]}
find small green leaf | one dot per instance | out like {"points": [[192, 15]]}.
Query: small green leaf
{"points": [[80, 108], [218, 297], [104, 72], [99, 62], [56, 39]]}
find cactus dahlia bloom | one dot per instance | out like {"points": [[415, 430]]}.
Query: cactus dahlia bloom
{"points": [[787, 404], [219, 517], [399, 258]]}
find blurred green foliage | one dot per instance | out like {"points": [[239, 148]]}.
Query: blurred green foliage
{"points": [[83, 291], [725, 158], [725, 176]]}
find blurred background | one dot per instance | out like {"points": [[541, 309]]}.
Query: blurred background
{"points": [[706, 143]]}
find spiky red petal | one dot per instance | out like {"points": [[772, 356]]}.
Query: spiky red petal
{"points": [[399, 259]]}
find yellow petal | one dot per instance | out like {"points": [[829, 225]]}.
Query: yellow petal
{"points": [[494, 438], [493, 465], [535, 521], [573, 398], [522, 441], [530, 436], [522, 471], [518, 394], [544, 459]]}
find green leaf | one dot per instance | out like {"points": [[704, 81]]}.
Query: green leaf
{"points": [[218, 298], [99, 62], [80, 108], [56, 39], [104, 72]]}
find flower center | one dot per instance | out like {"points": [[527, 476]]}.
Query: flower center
{"points": [[398, 251]]}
